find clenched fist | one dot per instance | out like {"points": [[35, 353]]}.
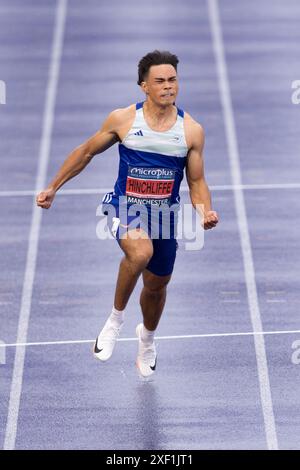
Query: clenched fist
{"points": [[210, 220], [44, 198]]}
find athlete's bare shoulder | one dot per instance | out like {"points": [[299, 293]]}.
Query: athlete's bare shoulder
{"points": [[120, 114], [121, 120], [191, 124], [194, 132]]}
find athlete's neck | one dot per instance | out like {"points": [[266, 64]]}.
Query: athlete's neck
{"points": [[159, 114]]}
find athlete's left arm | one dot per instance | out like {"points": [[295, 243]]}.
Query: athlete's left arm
{"points": [[199, 191]]}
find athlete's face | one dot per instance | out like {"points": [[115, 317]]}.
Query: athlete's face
{"points": [[161, 84]]}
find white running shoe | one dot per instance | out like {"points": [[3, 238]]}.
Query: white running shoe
{"points": [[105, 342], [146, 359]]}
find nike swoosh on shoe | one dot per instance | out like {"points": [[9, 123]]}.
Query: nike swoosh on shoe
{"points": [[96, 349]]}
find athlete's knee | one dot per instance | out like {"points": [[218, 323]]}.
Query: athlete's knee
{"points": [[157, 286], [156, 291]]}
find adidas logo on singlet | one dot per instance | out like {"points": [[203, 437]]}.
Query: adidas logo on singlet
{"points": [[138, 133]]}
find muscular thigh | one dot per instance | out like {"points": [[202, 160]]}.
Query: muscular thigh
{"points": [[136, 242]]}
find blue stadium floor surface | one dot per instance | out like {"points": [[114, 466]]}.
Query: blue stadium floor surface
{"points": [[228, 374]]}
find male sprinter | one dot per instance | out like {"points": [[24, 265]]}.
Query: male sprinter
{"points": [[157, 141]]}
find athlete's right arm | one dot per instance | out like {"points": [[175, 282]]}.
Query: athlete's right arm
{"points": [[82, 155]]}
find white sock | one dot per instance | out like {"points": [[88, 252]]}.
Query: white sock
{"points": [[117, 316], [147, 336]]}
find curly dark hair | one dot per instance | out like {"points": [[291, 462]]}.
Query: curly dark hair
{"points": [[155, 58]]}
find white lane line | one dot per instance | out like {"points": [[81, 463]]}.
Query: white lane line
{"points": [[204, 335], [17, 378], [226, 187], [17, 193], [260, 350]]}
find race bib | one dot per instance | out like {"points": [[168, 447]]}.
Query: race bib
{"points": [[149, 186]]}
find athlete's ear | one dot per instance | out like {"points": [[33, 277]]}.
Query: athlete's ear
{"points": [[144, 87]]}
